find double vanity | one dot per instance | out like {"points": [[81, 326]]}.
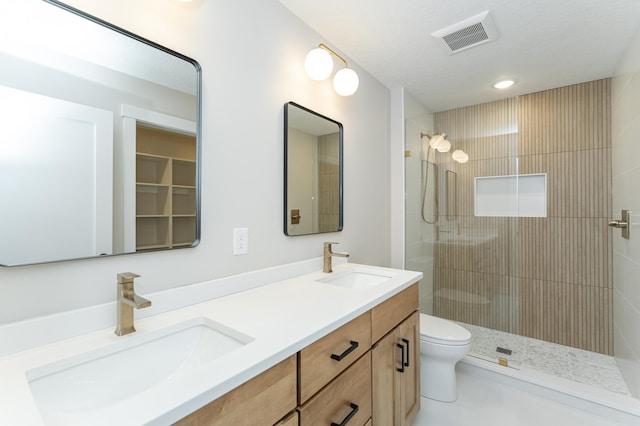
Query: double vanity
{"points": [[124, 138], [300, 349]]}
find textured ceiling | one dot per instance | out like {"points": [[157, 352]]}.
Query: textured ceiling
{"points": [[543, 43]]}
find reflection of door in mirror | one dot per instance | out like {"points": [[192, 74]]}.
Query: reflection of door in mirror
{"points": [[55, 178]]}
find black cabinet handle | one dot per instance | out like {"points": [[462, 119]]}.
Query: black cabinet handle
{"points": [[406, 364], [401, 369], [354, 410], [350, 349]]}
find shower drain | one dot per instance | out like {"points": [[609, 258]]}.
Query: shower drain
{"points": [[504, 350]]}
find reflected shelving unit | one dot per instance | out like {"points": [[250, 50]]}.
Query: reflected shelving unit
{"points": [[165, 188]]}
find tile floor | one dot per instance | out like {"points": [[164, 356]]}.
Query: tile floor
{"points": [[486, 402], [573, 364], [486, 399]]}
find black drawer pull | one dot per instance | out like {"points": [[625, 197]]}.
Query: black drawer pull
{"points": [[354, 410], [350, 349], [401, 369], [406, 364]]}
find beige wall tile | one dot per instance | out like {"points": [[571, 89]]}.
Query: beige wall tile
{"points": [[548, 278]]}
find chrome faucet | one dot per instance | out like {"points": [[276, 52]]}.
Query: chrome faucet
{"points": [[328, 254], [127, 299]]}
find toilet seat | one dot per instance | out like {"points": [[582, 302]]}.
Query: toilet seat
{"points": [[443, 332]]}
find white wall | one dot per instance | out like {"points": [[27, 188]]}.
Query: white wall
{"points": [[251, 53], [396, 176], [626, 195]]}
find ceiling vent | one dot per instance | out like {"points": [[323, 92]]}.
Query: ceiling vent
{"points": [[466, 34]]}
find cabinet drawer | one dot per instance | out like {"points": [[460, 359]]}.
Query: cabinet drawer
{"points": [[349, 393], [265, 399], [323, 360], [391, 312], [290, 420]]}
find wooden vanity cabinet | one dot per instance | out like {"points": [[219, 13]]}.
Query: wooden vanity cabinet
{"points": [[345, 400], [290, 420], [396, 360], [350, 376], [334, 376], [392, 367], [324, 359], [263, 400]]}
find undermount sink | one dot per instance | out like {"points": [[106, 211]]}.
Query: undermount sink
{"points": [[103, 377], [357, 278]]}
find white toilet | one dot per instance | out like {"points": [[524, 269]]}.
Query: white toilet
{"points": [[442, 344]]}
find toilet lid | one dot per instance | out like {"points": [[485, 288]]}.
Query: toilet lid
{"points": [[442, 331]]}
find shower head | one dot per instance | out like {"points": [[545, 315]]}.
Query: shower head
{"points": [[438, 142], [424, 152]]}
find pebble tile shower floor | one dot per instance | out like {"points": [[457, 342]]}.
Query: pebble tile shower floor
{"points": [[561, 361]]}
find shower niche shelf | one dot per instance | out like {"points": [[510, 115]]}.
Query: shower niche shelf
{"points": [[511, 195]]}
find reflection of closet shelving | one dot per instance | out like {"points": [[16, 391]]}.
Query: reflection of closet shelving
{"points": [[165, 188]]}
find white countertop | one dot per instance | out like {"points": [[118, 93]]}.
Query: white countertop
{"points": [[282, 318]]}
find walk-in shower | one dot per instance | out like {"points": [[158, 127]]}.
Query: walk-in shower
{"points": [[430, 191], [515, 239]]}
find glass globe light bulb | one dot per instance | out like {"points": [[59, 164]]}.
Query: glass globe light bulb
{"points": [[318, 64], [444, 146], [436, 141], [346, 82], [457, 155]]}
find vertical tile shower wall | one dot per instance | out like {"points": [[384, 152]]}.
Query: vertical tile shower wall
{"points": [[565, 259], [547, 278], [328, 182], [475, 276]]}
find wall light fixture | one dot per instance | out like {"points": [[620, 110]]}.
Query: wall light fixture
{"points": [[319, 64]]}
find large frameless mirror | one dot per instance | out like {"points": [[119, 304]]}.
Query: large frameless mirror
{"points": [[312, 172], [101, 142]]}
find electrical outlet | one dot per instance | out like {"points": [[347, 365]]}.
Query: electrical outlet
{"points": [[240, 241]]}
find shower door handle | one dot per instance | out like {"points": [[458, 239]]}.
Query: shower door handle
{"points": [[622, 224], [618, 224]]}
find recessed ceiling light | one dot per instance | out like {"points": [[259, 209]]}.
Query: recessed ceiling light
{"points": [[504, 84]]}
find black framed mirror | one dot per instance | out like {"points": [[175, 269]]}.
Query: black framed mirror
{"points": [[313, 172], [100, 153]]}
